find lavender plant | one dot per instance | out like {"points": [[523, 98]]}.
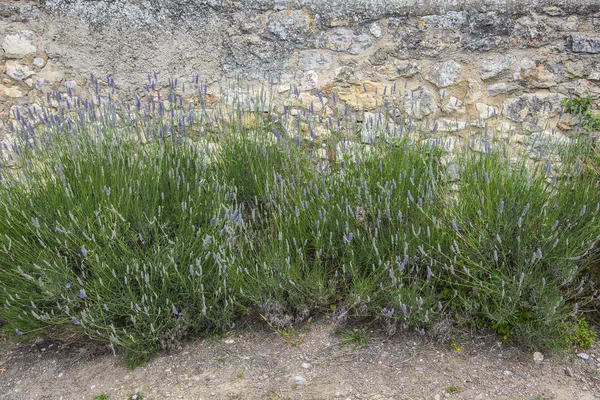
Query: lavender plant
{"points": [[138, 223]]}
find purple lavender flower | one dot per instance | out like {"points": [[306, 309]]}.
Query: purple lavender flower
{"points": [[68, 285], [440, 306], [277, 134], [84, 251], [174, 311], [350, 237], [82, 294], [429, 273], [422, 332], [404, 309], [75, 321], [18, 332], [454, 226], [191, 270]]}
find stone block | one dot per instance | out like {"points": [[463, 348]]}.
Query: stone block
{"points": [[444, 74], [19, 44], [585, 44]]}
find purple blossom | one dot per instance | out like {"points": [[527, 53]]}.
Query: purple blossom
{"points": [[404, 309], [422, 332], [75, 321], [18, 332], [429, 273], [440, 306], [174, 311], [82, 294], [68, 285], [454, 226], [350, 237], [191, 270]]}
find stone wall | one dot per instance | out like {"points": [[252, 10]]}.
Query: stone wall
{"points": [[458, 66]]}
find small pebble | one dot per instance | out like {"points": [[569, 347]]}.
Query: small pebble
{"points": [[568, 371], [305, 365], [583, 356], [436, 397], [300, 380], [538, 357]]}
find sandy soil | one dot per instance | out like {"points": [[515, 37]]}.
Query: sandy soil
{"points": [[257, 363]]}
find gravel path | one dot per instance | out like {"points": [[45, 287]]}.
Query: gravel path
{"points": [[257, 363]]}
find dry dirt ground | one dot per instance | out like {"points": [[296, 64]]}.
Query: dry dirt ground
{"points": [[256, 362]]}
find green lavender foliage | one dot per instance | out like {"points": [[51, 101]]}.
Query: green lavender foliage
{"points": [[137, 226]]}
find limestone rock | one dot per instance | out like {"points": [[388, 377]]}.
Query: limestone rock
{"points": [[493, 66], [291, 24], [39, 62], [311, 60], [394, 69], [454, 105], [448, 20], [497, 88], [344, 39], [419, 103], [310, 80], [19, 44], [484, 111], [18, 71], [10, 91], [534, 75], [585, 44], [375, 30], [520, 108], [444, 74], [449, 125], [543, 144], [363, 95]]}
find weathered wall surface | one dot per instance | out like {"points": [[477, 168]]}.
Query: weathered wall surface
{"points": [[457, 63]]}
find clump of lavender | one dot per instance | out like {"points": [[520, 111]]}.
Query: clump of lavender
{"points": [[141, 223]]}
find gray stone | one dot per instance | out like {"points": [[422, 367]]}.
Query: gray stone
{"points": [[528, 105], [494, 66], [482, 45], [407, 68], [594, 76], [290, 24], [299, 380], [534, 75], [344, 39], [39, 62], [585, 44], [497, 88], [541, 145], [311, 60], [375, 30], [484, 111], [444, 74], [419, 103], [454, 105], [538, 357], [71, 85], [482, 144], [41, 83], [19, 44], [449, 125], [583, 356], [448, 20], [18, 71]]}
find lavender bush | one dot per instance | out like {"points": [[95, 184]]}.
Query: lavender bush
{"points": [[138, 223]]}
